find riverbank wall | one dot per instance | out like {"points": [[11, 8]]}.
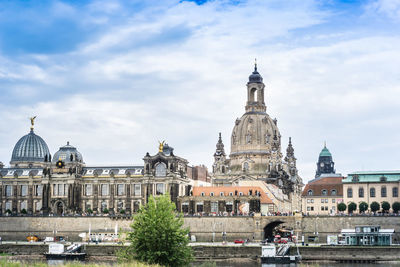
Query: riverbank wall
{"points": [[205, 229], [222, 252]]}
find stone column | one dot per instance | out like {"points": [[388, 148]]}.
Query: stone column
{"points": [[128, 200], [30, 199], [95, 197], [15, 200]]}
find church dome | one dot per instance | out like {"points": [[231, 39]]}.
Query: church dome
{"points": [[68, 154], [255, 133], [30, 148]]}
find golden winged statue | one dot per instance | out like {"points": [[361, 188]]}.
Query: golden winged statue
{"points": [[32, 121], [161, 146]]}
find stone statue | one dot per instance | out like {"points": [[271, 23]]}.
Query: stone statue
{"points": [[161, 146], [32, 122]]}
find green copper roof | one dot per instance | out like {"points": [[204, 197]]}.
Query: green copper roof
{"points": [[325, 153], [372, 176]]}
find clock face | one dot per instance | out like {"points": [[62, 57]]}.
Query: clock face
{"points": [[322, 164]]}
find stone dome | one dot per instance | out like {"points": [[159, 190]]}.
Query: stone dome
{"points": [[30, 148], [68, 154], [255, 134]]}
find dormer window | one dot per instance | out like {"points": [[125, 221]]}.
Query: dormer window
{"points": [[355, 178], [202, 194], [221, 194], [310, 192], [324, 192], [383, 179], [333, 192], [212, 194]]}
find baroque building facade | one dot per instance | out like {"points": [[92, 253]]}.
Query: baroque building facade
{"points": [[37, 183], [256, 150]]}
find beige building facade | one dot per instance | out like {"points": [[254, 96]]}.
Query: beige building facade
{"points": [[372, 186]]}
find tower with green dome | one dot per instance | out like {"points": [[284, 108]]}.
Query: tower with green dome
{"points": [[325, 164]]}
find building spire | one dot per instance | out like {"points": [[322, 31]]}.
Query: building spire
{"points": [[255, 65]]}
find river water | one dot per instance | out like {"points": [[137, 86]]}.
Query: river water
{"points": [[303, 264]]}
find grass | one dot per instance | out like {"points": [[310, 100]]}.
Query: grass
{"points": [[7, 263]]}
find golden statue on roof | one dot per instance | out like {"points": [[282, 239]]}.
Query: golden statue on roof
{"points": [[161, 146], [32, 121]]}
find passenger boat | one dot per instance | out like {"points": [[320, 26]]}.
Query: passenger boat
{"points": [[278, 254], [57, 252]]}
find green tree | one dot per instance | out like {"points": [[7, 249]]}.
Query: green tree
{"points": [[396, 207], [375, 206], [341, 207], [385, 206], [363, 206], [158, 235], [351, 207]]}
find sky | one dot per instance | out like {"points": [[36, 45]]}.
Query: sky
{"points": [[115, 77]]}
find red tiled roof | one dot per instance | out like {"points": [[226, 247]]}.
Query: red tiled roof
{"points": [[327, 183], [197, 190]]}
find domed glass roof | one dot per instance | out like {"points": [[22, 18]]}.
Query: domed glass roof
{"points": [[30, 148], [67, 154]]}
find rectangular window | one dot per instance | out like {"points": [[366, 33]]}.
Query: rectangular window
{"points": [[214, 206], [395, 191], [199, 207], [312, 200], [39, 190], [24, 190], [333, 200], [9, 190], [137, 190], [322, 200], [88, 190], [24, 205], [383, 191], [55, 192], [38, 205], [308, 201], [8, 205], [104, 189], [61, 190], [159, 189], [312, 208], [322, 208], [120, 189]]}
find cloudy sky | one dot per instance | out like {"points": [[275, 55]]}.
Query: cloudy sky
{"points": [[114, 77]]}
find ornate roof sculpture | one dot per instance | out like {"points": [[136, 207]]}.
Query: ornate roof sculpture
{"points": [[30, 151]]}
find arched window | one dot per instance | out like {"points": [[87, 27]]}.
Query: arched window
{"points": [[161, 169], [333, 192], [349, 192], [360, 192], [310, 192], [212, 194], [253, 95], [324, 192], [223, 169], [383, 191], [372, 192], [395, 191]]}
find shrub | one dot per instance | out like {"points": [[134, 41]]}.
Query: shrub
{"points": [[363, 206], [375, 206], [90, 211], [396, 207], [158, 235], [385, 206], [351, 207], [23, 211], [341, 207], [105, 211], [122, 211]]}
